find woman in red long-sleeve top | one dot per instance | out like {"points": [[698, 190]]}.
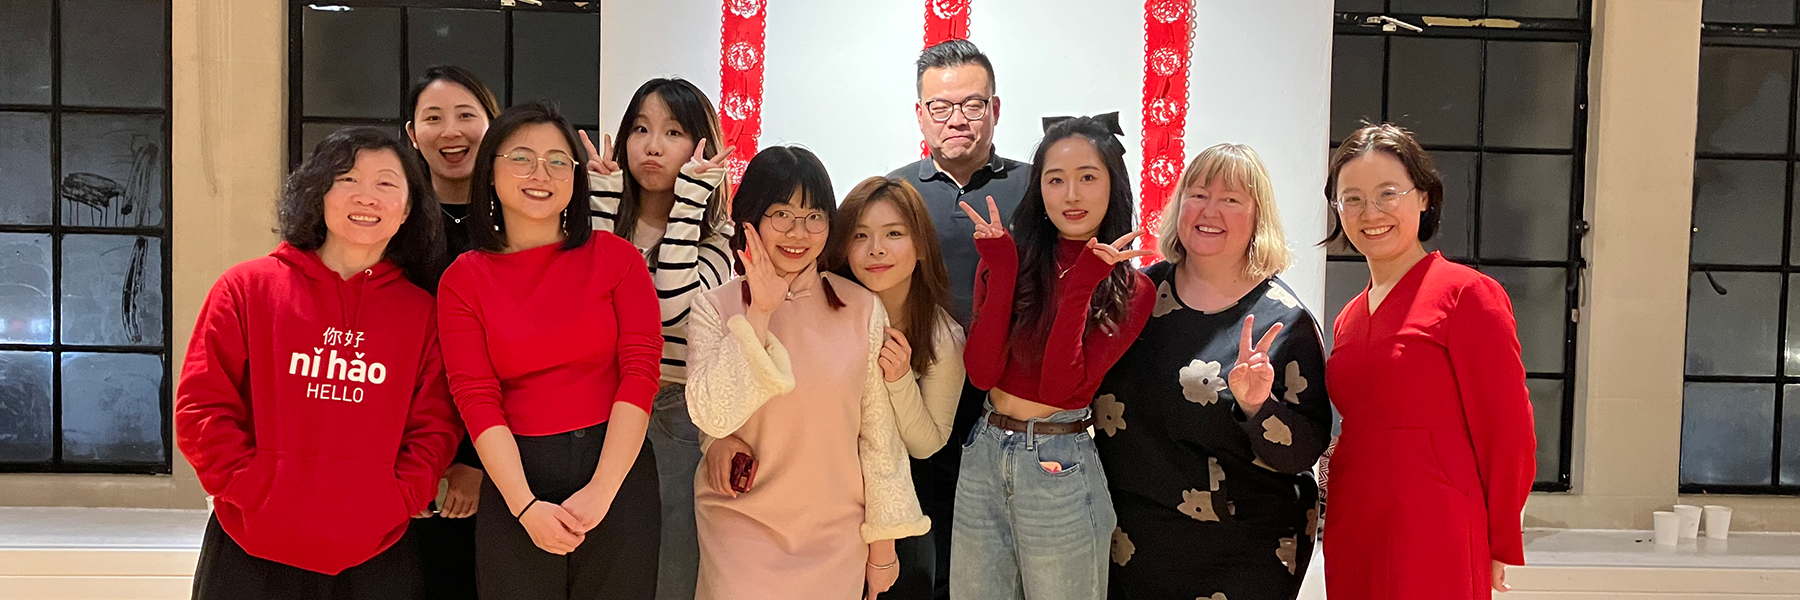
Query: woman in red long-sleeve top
{"points": [[1053, 313], [1436, 457], [551, 338]]}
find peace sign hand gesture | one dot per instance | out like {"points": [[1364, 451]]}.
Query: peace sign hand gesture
{"points": [[698, 163], [1112, 254], [600, 162], [989, 228], [1254, 376], [767, 289]]}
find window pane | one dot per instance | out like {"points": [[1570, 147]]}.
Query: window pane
{"points": [[1436, 87], [1530, 94], [1726, 433], [111, 408], [1762, 12], [1360, 6], [25, 52], [112, 291], [114, 53], [1435, 7], [25, 309], [312, 133], [25, 407], [352, 63], [1458, 172], [1546, 408], [1790, 437], [1732, 333], [1541, 308], [112, 170], [1743, 100], [1355, 83], [471, 39], [1738, 212], [1525, 206], [1542, 9], [556, 56], [25, 175], [1344, 280]]}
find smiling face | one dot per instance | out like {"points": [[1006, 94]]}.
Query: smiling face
{"points": [[446, 128], [540, 195], [1218, 218], [958, 138], [881, 252], [1076, 188], [367, 204], [1378, 234], [657, 145], [797, 248]]}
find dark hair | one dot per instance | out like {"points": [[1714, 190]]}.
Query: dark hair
{"points": [[953, 53], [772, 178], [696, 115], [1037, 236], [1392, 140], [486, 224], [416, 247], [929, 290], [453, 74]]}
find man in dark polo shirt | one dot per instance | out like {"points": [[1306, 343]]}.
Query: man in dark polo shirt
{"points": [[957, 112]]}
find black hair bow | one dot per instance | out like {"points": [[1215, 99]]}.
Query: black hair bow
{"points": [[1108, 120]]}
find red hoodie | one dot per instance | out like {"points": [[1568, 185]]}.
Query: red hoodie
{"points": [[315, 408]]}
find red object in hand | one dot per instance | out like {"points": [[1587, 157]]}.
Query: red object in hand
{"points": [[743, 472]]}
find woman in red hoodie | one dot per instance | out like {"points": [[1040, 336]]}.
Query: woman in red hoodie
{"points": [[551, 339], [312, 402]]}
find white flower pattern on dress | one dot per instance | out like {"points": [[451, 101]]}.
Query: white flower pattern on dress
{"points": [[1200, 382], [1199, 505], [1122, 549], [1215, 472], [1276, 431], [1287, 552], [1109, 414], [1280, 294], [1165, 301], [1294, 382]]}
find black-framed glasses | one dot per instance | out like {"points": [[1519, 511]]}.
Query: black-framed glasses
{"points": [[1384, 201], [522, 163], [972, 109], [783, 221]]}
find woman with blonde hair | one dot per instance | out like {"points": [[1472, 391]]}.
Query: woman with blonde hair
{"points": [[1209, 425]]}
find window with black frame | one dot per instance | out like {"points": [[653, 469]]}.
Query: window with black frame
{"points": [[84, 236], [352, 61], [1495, 90], [1740, 417]]}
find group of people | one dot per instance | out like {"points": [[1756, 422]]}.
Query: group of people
{"points": [[635, 380]]}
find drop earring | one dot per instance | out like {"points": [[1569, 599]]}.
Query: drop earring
{"points": [[494, 215], [565, 222]]}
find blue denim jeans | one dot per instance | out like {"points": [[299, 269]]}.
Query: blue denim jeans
{"points": [[1023, 532], [677, 443]]}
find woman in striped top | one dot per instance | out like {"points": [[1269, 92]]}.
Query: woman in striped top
{"points": [[670, 202]]}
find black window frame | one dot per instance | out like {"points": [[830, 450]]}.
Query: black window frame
{"points": [[1472, 27], [296, 109], [1784, 37], [57, 231]]}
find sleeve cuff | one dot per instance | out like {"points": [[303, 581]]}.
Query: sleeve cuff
{"points": [[910, 379], [637, 393], [482, 418], [769, 364], [872, 533]]}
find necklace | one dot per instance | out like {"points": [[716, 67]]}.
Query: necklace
{"points": [[453, 218]]}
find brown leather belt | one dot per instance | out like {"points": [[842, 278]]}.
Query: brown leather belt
{"points": [[1041, 428]]}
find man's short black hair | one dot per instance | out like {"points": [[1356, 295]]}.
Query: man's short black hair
{"points": [[953, 53]]}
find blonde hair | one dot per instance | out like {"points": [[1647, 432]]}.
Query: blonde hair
{"points": [[1238, 166]]}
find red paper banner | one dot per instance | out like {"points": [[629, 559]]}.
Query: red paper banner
{"points": [[945, 20], [741, 54], [1168, 41]]}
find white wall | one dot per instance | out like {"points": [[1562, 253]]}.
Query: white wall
{"points": [[839, 80]]}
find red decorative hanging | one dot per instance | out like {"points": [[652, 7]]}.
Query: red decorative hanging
{"points": [[741, 52], [1168, 42], [945, 20]]}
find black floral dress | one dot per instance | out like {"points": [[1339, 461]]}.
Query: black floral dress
{"points": [[1213, 504]]}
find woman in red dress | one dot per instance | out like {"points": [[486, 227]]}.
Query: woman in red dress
{"points": [[1436, 455]]}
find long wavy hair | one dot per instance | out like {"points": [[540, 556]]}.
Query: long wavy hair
{"points": [[928, 291], [417, 247], [1037, 237], [487, 225], [696, 115]]}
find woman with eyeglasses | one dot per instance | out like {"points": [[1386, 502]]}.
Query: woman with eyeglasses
{"points": [[1437, 452], [551, 340], [805, 485]]}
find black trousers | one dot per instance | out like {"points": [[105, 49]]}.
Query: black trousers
{"points": [[447, 548], [226, 572], [618, 559]]}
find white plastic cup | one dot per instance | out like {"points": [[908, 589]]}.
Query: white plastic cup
{"points": [[1668, 527], [1690, 520], [1718, 521]]}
